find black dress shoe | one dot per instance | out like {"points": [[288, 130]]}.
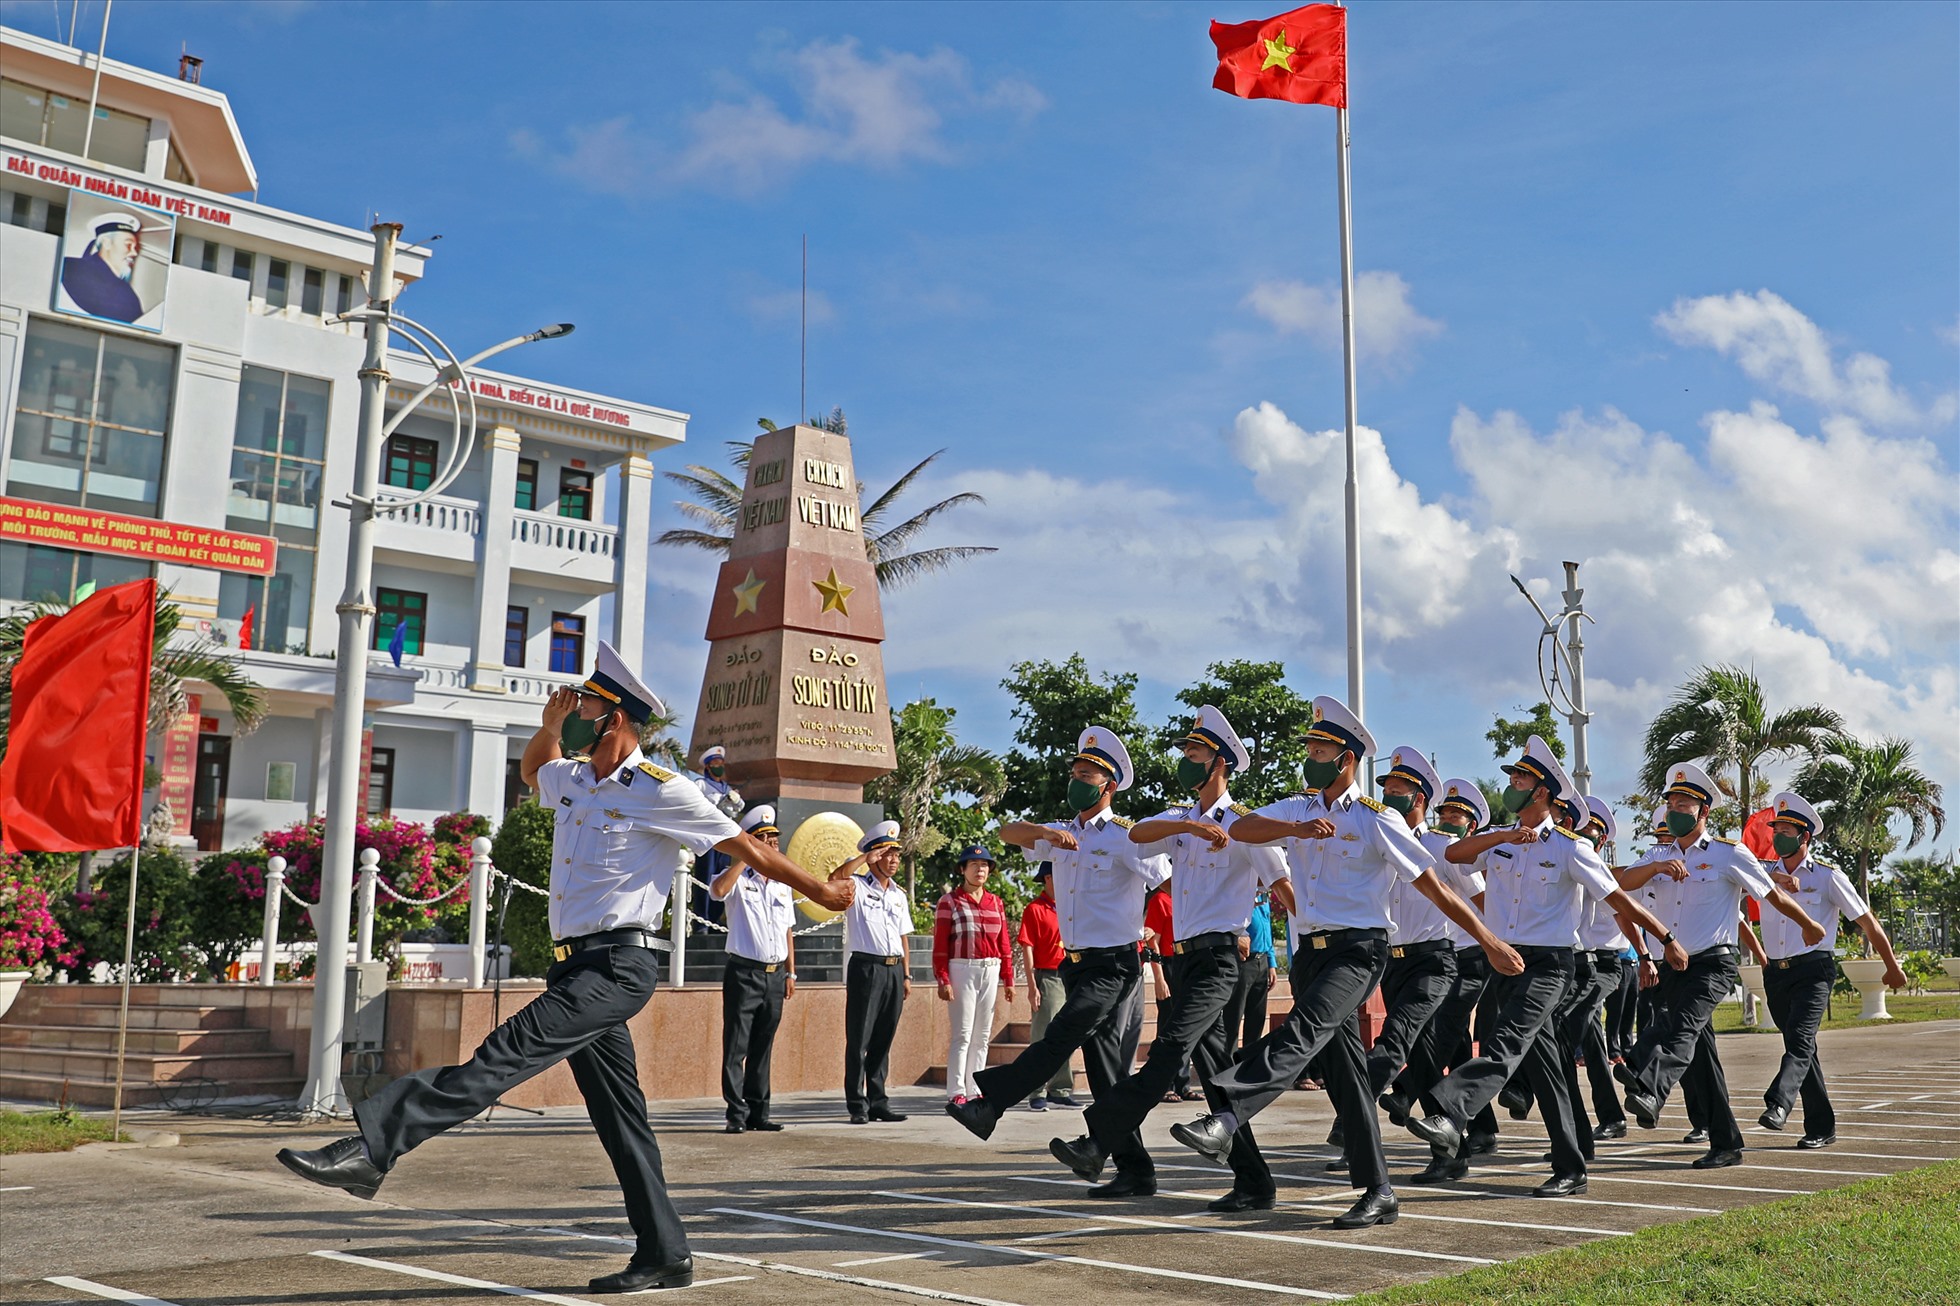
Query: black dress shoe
{"points": [[1397, 1107], [976, 1114], [340, 1164], [1440, 1132], [1774, 1118], [1695, 1136], [1205, 1136], [1646, 1112], [1515, 1102], [1375, 1208], [1235, 1201], [1126, 1185], [884, 1115], [859, 1118], [1479, 1144], [1624, 1073], [1081, 1156], [1443, 1170], [1618, 1129], [1718, 1159], [638, 1278], [731, 1128], [1561, 1185], [1811, 1142], [1337, 1136], [765, 1126], [1339, 1163]]}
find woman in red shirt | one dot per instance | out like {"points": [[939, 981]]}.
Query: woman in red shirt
{"points": [[972, 953]]}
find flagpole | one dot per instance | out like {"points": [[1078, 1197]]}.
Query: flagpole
{"points": [[1355, 703], [122, 1016]]}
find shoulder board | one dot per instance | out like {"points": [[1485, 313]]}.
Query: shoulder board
{"points": [[658, 773], [1559, 829], [1716, 838], [1123, 821], [1242, 809], [1371, 804], [575, 757], [1822, 866]]}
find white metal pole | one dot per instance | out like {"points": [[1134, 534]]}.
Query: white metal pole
{"points": [[275, 882], [479, 907], [95, 91], [1576, 648], [322, 1094], [364, 906], [677, 932], [1355, 695], [122, 1014]]}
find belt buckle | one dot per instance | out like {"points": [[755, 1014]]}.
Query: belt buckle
{"points": [[1319, 942], [560, 951], [891, 961], [1783, 963], [1074, 954], [1397, 952], [1179, 948], [769, 968]]}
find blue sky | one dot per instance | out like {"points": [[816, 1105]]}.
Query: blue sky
{"points": [[1669, 289]]}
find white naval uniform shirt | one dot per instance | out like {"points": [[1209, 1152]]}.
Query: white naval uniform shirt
{"points": [[1468, 882], [1708, 904], [1599, 928], [1822, 890], [618, 841], [1101, 882], [1412, 917], [760, 911], [1536, 892], [878, 919], [1344, 882], [1212, 889]]}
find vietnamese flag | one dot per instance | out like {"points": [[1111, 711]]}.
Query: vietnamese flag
{"points": [[72, 777], [1299, 56], [1757, 836]]}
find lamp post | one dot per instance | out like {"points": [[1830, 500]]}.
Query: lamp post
{"points": [[322, 1094], [1574, 655]]}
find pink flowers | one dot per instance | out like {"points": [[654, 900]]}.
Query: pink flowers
{"points": [[29, 934]]}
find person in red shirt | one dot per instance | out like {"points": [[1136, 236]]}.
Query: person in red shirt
{"points": [[1157, 936], [1040, 938], [972, 956]]}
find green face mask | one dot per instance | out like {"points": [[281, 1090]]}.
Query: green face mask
{"points": [[1515, 799], [1319, 775], [1400, 802], [578, 734], [1786, 845], [1082, 795], [1682, 823], [1454, 829], [1191, 774]]}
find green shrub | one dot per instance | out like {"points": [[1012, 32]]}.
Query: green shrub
{"points": [[522, 850], [1921, 967], [165, 927]]}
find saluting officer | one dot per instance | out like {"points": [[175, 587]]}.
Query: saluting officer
{"points": [[1797, 977], [1345, 853], [1214, 880], [877, 974], [1712, 874], [760, 975], [1100, 878], [623, 828]]}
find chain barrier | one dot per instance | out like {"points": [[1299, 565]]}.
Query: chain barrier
{"points": [[689, 883], [519, 884], [399, 896], [297, 901]]}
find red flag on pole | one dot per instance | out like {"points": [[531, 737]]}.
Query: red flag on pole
{"points": [[245, 626], [1299, 56], [72, 778], [1757, 836]]}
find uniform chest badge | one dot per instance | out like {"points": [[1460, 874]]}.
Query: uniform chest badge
{"points": [[1704, 866], [564, 802], [615, 814], [1548, 863], [1348, 837]]}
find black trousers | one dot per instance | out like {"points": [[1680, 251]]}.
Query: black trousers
{"points": [[751, 1009], [874, 994], [1521, 1036], [1194, 1027], [1588, 1038], [1103, 991], [1413, 989], [1679, 1047], [1182, 1080], [1445, 1044], [1329, 986], [1255, 981], [580, 1018], [1620, 1007], [1799, 992]]}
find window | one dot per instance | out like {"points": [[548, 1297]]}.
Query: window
{"points": [[400, 607], [344, 297], [40, 571], [515, 790], [279, 443], [410, 463], [313, 292], [241, 266], [517, 632], [567, 643], [60, 122], [20, 209], [527, 484], [209, 261], [277, 273], [381, 781], [93, 418], [575, 494], [175, 169]]}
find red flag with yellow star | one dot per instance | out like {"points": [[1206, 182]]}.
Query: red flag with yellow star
{"points": [[1299, 56]]}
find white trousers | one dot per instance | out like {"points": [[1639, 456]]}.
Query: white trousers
{"points": [[975, 983]]}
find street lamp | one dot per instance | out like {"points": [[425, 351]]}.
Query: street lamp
{"points": [[1568, 699], [322, 1094]]}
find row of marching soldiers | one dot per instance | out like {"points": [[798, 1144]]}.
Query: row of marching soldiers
{"points": [[1513, 935]]}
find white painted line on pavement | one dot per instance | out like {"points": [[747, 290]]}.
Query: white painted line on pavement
{"points": [[105, 1291], [1144, 1222], [1599, 1178], [1873, 1106], [22, 1188], [460, 1281], [1066, 1233], [880, 1260], [1030, 1253], [1869, 1156], [1456, 1191], [1780, 1169]]}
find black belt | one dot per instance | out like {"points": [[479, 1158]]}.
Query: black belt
{"points": [[1541, 949], [1604, 955], [1089, 954], [766, 967], [874, 959], [1334, 938], [628, 938], [1423, 949], [1201, 942], [1784, 963], [1719, 950]]}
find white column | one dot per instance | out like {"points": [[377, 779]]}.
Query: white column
{"points": [[630, 565], [489, 750], [499, 508], [316, 794]]}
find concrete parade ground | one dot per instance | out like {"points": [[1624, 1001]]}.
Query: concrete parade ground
{"points": [[524, 1206]]}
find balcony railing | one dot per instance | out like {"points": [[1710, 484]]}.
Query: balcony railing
{"points": [[567, 533], [452, 516]]}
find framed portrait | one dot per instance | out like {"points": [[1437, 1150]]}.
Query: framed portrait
{"points": [[115, 261]]}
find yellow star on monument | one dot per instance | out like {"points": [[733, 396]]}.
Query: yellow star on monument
{"points": [[834, 593], [747, 593], [1277, 53]]}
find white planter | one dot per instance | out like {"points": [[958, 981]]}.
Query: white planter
{"points": [[1752, 983], [10, 982], [433, 962], [1868, 974], [1951, 965]]}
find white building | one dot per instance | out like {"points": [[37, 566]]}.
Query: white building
{"points": [[217, 398]]}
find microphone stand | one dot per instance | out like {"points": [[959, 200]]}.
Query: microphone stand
{"points": [[497, 992]]}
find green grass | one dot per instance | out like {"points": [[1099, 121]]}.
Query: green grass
{"points": [[49, 1131], [1894, 1240], [1843, 1014]]}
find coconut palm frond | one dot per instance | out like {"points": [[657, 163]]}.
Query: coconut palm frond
{"points": [[895, 539], [882, 504], [710, 487], [908, 567], [704, 540], [711, 518]]}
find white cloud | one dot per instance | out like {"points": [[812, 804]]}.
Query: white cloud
{"points": [[844, 106], [1387, 327], [1774, 343], [788, 305]]}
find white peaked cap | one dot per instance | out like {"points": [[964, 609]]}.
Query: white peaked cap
{"points": [[1412, 765], [615, 682], [880, 835], [1099, 744], [1604, 815], [1458, 792], [1334, 724], [1791, 809], [761, 815], [1213, 731]]}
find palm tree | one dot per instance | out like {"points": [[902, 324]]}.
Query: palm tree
{"points": [[1860, 789], [1720, 717], [717, 497], [931, 763]]}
